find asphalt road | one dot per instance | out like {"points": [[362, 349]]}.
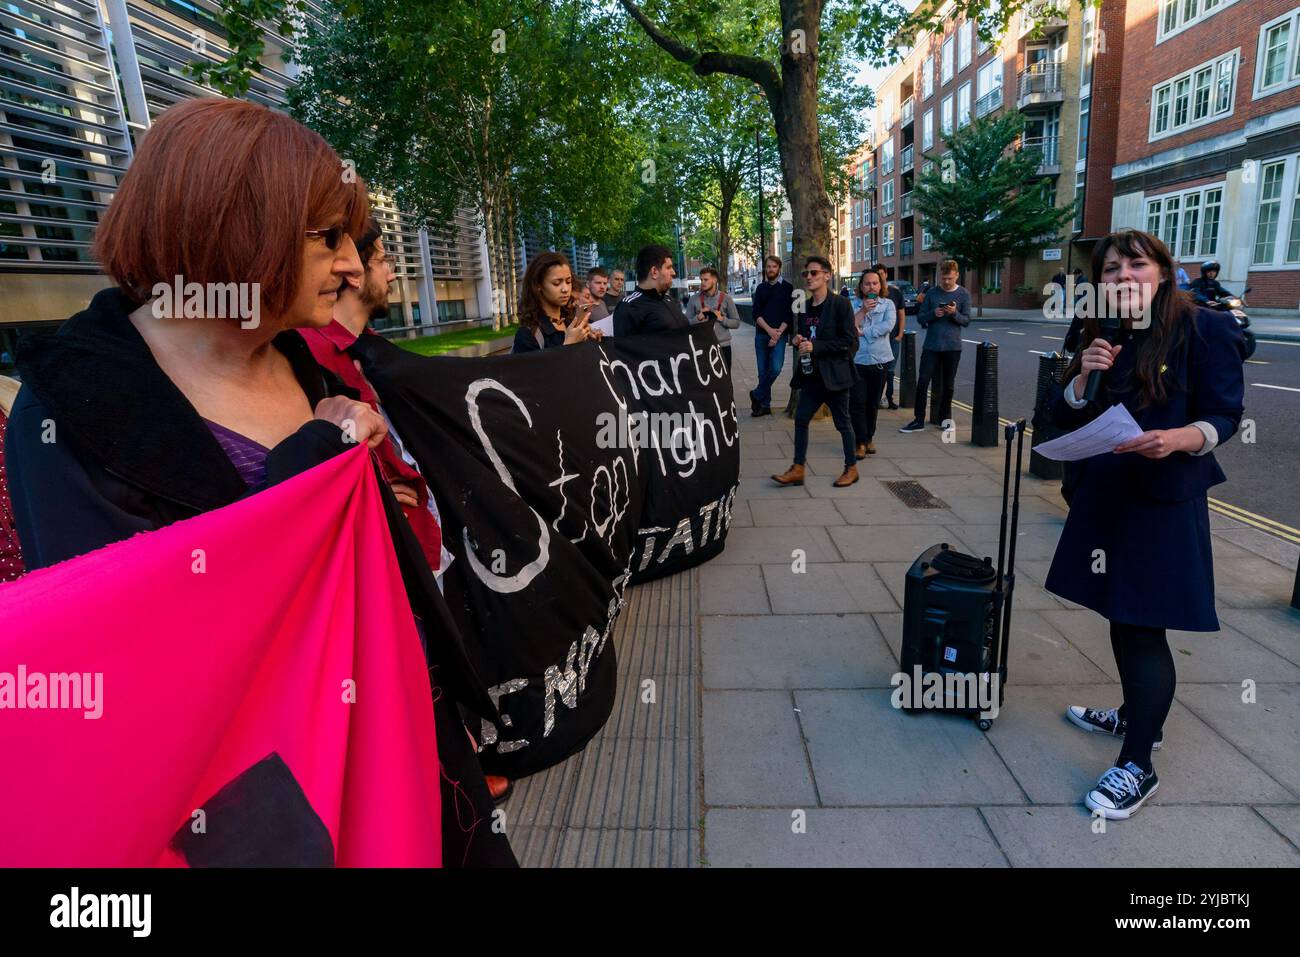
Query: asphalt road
{"points": [[1263, 476]]}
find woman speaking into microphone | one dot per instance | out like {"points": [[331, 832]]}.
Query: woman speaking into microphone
{"points": [[1136, 543]]}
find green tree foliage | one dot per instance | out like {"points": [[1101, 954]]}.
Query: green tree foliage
{"points": [[987, 201]]}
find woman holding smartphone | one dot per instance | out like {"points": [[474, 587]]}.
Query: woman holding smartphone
{"points": [[875, 320], [1136, 543], [549, 313]]}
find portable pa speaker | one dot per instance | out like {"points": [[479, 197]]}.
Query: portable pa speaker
{"points": [[957, 607]]}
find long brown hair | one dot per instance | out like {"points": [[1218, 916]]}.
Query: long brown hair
{"points": [[531, 309], [1171, 311]]}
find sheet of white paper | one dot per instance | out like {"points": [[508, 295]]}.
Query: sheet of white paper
{"points": [[606, 325], [1102, 434]]}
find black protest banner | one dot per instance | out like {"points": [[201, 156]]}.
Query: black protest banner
{"points": [[681, 414], [561, 477]]}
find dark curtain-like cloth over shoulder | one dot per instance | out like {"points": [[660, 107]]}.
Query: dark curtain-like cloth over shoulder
{"points": [[562, 476]]}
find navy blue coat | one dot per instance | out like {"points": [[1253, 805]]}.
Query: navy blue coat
{"points": [[526, 339], [1148, 519]]}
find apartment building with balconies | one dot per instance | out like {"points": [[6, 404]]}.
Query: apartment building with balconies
{"points": [[950, 78], [1208, 155]]}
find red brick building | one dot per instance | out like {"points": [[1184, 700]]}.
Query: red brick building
{"points": [[951, 78], [1208, 155]]}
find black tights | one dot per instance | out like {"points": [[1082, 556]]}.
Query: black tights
{"points": [[1146, 673]]}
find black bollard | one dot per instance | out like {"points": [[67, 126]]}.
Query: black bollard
{"points": [[1295, 592], [907, 371], [984, 411], [1050, 369]]}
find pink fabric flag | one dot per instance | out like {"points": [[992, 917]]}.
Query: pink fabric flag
{"points": [[243, 687]]}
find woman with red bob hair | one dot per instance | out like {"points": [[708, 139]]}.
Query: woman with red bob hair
{"points": [[184, 387]]}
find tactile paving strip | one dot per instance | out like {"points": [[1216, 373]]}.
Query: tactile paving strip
{"points": [[631, 797]]}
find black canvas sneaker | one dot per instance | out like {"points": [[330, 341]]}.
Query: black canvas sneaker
{"points": [[1121, 791], [916, 425], [1107, 721]]}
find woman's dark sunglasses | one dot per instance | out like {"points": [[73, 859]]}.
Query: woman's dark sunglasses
{"points": [[332, 236]]}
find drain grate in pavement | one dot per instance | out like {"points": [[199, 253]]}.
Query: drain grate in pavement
{"points": [[914, 495]]}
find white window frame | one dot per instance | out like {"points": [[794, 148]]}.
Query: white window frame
{"points": [[1291, 78], [887, 158], [927, 240], [964, 104], [946, 115], [887, 240], [947, 51], [1170, 89], [982, 46], [887, 198], [1174, 207], [927, 130], [992, 68], [965, 44], [993, 275], [1288, 221], [1085, 122], [1204, 9], [927, 77], [1088, 52]]}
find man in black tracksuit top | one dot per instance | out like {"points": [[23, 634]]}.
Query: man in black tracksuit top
{"points": [[646, 308]]}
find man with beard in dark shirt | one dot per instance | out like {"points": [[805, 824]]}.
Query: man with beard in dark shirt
{"points": [[647, 308]]}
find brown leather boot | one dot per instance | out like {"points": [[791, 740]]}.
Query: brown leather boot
{"points": [[792, 476], [861, 452], [847, 477], [869, 448]]}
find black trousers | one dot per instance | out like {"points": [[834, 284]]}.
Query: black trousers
{"points": [[1146, 673], [812, 393], [864, 400], [944, 365]]}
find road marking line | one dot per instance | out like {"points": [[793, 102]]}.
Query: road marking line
{"points": [[1239, 512], [1010, 333], [1039, 352], [1283, 388], [1285, 536], [982, 329], [1278, 342], [1053, 338], [974, 342], [1257, 362]]}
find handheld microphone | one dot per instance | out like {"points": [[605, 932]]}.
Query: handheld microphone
{"points": [[1111, 327]]}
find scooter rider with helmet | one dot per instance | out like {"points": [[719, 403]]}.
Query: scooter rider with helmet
{"points": [[1208, 288]]}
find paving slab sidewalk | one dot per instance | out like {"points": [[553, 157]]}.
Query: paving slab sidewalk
{"points": [[770, 740], [806, 763]]}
